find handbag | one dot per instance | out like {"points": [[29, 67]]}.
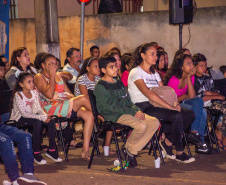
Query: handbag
{"points": [[167, 94]]}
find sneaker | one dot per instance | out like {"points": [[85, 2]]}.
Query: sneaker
{"points": [[29, 179], [184, 158], [5, 182], [53, 155], [130, 158], [194, 138], [202, 149], [167, 150], [39, 159]]}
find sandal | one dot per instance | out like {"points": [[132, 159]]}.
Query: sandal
{"points": [[85, 156], [111, 152]]}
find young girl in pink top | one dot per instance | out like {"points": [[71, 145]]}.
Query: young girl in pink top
{"points": [[181, 78]]}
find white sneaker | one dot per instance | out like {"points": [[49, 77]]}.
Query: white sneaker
{"points": [[53, 156], [39, 159], [5, 182]]}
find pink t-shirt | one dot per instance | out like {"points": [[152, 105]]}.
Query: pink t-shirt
{"points": [[174, 82], [124, 78]]}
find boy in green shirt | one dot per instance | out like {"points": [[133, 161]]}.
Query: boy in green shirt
{"points": [[114, 104]]}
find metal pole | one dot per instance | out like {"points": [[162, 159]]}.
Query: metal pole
{"points": [[180, 35], [82, 28]]}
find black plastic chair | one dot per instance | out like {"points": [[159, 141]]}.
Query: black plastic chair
{"points": [[103, 126], [60, 120], [213, 113], [157, 141]]}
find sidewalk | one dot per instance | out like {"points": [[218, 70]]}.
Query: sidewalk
{"points": [[206, 170]]}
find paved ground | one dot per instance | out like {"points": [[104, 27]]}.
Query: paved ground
{"points": [[207, 170]]}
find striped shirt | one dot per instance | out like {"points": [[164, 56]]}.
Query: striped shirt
{"points": [[84, 80]]}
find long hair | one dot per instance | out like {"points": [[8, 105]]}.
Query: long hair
{"points": [[137, 59], [14, 62], [86, 64], [159, 54], [126, 59], [176, 68], [17, 87]]}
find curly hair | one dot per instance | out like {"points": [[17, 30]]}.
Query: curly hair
{"points": [[137, 59], [86, 64], [176, 68]]}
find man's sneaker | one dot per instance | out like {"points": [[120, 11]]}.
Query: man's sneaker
{"points": [[194, 138], [184, 158], [202, 149], [39, 159], [29, 179], [167, 150], [130, 158], [53, 155]]}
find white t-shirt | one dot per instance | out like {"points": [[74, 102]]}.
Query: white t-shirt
{"points": [[151, 80]]}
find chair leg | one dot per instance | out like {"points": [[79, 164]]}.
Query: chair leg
{"points": [[62, 142], [214, 134], [123, 137], [153, 147], [186, 142], [150, 149], [159, 149], [207, 128], [95, 145], [93, 139], [117, 147]]}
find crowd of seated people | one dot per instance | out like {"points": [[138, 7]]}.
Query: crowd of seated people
{"points": [[124, 86]]}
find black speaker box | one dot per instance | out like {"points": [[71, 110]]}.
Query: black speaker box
{"points": [[180, 11], [109, 6]]}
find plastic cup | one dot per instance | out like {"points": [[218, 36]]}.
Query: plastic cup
{"points": [[106, 150], [157, 163]]}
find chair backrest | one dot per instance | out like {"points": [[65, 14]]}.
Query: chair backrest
{"points": [[71, 87], [5, 97], [221, 86], [92, 99]]}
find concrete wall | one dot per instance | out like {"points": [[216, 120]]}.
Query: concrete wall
{"points": [[156, 5], [72, 7], [127, 31]]}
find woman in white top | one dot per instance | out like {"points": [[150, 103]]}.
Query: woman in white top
{"points": [[142, 79]]}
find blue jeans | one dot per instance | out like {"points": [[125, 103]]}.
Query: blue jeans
{"points": [[8, 136], [5, 117], [199, 124]]}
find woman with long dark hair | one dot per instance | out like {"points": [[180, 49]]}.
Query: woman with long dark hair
{"points": [[142, 79], [20, 61]]}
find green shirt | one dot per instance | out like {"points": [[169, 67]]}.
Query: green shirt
{"points": [[113, 100]]}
